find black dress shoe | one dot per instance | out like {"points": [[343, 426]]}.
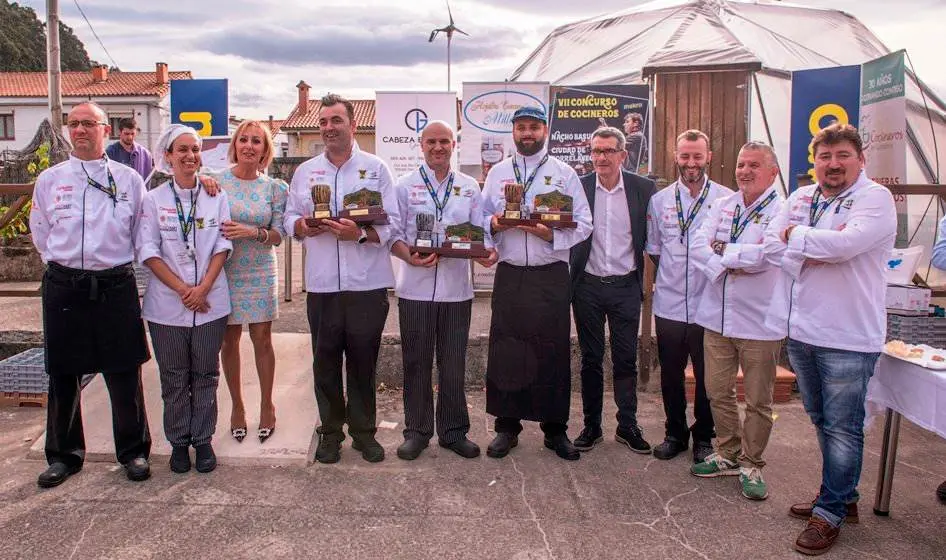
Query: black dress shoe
{"points": [[206, 460], [56, 474], [670, 448], [463, 448], [501, 444], [411, 448], [138, 469], [632, 437], [330, 447], [371, 450], [180, 459], [588, 438], [562, 447], [702, 450]]}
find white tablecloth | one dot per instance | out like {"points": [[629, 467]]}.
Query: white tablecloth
{"points": [[918, 393]]}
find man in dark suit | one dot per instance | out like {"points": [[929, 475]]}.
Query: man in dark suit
{"points": [[607, 277]]}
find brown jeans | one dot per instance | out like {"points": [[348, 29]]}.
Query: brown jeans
{"points": [[741, 442]]}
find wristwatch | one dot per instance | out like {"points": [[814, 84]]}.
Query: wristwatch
{"points": [[364, 236]]}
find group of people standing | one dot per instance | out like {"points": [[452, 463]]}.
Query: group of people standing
{"points": [[737, 273]]}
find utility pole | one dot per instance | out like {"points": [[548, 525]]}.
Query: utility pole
{"points": [[53, 66]]}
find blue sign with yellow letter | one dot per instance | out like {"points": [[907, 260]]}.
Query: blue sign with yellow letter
{"points": [[201, 104], [820, 97]]}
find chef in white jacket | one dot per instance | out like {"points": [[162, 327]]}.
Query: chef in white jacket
{"points": [[187, 301], [833, 239]]}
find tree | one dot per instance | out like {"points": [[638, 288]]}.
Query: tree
{"points": [[23, 42]]}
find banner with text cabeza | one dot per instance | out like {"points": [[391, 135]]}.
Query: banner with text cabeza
{"points": [[487, 121], [577, 111], [401, 118]]}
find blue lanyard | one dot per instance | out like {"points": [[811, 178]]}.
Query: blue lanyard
{"points": [[694, 210], [737, 227], [111, 191], [186, 225], [819, 207], [440, 205], [528, 182]]}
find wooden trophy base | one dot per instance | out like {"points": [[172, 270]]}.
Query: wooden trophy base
{"points": [[550, 220], [373, 215], [454, 250]]}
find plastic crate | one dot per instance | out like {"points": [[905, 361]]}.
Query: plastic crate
{"points": [[24, 373], [917, 330]]}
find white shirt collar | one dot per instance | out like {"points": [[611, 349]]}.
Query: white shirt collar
{"points": [[618, 187]]}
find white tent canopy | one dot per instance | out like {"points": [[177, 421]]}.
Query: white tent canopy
{"points": [[773, 38]]}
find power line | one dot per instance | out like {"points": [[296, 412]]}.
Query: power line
{"points": [[94, 34]]}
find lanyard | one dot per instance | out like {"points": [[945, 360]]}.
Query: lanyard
{"points": [[737, 227], [819, 207], [685, 225], [188, 225], [528, 183], [439, 204], [111, 191]]}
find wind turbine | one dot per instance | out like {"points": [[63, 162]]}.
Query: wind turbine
{"points": [[449, 30]]}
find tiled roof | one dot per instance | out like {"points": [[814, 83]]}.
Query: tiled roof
{"points": [[277, 125], [308, 119], [81, 84]]}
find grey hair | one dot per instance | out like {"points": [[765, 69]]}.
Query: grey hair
{"points": [[611, 132], [755, 145], [92, 104]]}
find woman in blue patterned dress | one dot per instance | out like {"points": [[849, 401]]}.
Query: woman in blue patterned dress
{"points": [[257, 203]]}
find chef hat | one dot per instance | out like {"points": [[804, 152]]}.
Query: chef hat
{"points": [[165, 141]]}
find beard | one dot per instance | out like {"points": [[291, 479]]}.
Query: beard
{"points": [[683, 171], [527, 150]]}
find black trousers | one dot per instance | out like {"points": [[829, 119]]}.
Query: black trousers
{"points": [[619, 301], [676, 341], [445, 327], [65, 439], [349, 325]]}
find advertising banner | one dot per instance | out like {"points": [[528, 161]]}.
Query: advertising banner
{"points": [[487, 121], [883, 128], [400, 120], [576, 112], [819, 97], [202, 104]]}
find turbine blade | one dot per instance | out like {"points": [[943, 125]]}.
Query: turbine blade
{"points": [[458, 30], [432, 35], [449, 12]]}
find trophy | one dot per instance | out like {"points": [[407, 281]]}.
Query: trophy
{"points": [[363, 207], [513, 193], [554, 209], [321, 195], [425, 229]]}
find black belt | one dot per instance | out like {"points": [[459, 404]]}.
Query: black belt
{"points": [[76, 276], [632, 275]]}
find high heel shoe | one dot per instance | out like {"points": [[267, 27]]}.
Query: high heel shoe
{"points": [[265, 433], [238, 434]]}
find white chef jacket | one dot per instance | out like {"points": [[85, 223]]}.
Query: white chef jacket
{"points": [[612, 246], [679, 284], [518, 247], [841, 303], [340, 266], [736, 305], [159, 235], [450, 279], [77, 225]]}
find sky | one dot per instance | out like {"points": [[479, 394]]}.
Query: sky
{"points": [[264, 47]]}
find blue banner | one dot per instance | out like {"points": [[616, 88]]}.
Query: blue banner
{"points": [[202, 104], [820, 97]]}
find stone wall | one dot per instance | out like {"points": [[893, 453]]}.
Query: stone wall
{"points": [[19, 261]]}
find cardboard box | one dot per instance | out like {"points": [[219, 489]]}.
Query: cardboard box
{"points": [[904, 297]]}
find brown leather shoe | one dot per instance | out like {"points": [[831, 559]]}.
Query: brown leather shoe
{"points": [[817, 538], [803, 511]]}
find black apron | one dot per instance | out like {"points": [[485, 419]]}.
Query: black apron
{"points": [[528, 372], [92, 321]]}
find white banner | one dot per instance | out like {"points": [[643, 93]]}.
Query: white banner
{"points": [[487, 120], [400, 119]]}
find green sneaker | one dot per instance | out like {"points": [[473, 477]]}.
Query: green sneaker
{"points": [[715, 465], [753, 487]]}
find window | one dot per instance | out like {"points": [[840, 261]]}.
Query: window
{"points": [[6, 127]]}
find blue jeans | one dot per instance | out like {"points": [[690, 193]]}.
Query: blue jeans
{"points": [[833, 386]]}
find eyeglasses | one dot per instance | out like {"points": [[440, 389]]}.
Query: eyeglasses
{"points": [[605, 151], [84, 124]]}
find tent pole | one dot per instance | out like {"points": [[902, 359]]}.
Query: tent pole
{"points": [[768, 131]]}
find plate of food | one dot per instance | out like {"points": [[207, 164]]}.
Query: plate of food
{"points": [[920, 354]]}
